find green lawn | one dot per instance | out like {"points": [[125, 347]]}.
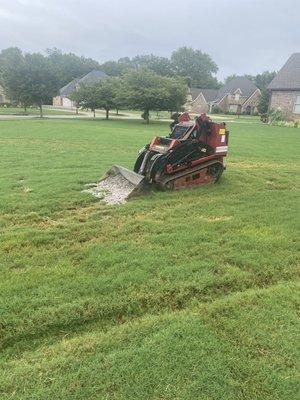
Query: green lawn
{"points": [[33, 111], [179, 295]]}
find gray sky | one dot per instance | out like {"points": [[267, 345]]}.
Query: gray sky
{"points": [[242, 36]]}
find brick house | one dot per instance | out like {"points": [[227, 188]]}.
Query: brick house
{"points": [[285, 89], [63, 100], [239, 95]]}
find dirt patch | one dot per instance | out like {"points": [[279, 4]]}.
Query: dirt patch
{"points": [[114, 190]]}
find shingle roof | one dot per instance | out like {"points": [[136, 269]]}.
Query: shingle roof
{"points": [[194, 92], [93, 75], [71, 86], [239, 82], [289, 75], [210, 94]]}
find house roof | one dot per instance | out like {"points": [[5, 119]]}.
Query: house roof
{"points": [[239, 82], [209, 94], [71, 86], [246, 87], [289, 75], [194, 92]]}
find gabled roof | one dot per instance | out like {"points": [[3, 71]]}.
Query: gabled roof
{"points": [[68, 88], [210, 94], [93, 75], [246, 87], [194, 92], [288, 78], [71, 86], [239, 82]]}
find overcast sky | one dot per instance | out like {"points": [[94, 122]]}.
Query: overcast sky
{"points": [[242, 36]]}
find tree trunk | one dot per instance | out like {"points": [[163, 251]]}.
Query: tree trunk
{"points": [[41, 110], [107, 113], [117, 111], [25, 108], [94, 111], [76, 110]]}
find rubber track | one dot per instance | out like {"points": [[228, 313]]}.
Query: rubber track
{"points": [[168, 178]]}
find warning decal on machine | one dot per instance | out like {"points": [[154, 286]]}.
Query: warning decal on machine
{"points": [[223, 137], [222, 131], [221, 149]]}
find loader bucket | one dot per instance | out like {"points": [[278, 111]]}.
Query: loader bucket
{"points": [[119, 183]]}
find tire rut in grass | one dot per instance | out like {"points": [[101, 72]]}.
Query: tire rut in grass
{"points": [[167, 301]]}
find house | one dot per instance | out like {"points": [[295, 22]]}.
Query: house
{"points": [[239, 95], [63, 100], [285, 89], [3, 98]]}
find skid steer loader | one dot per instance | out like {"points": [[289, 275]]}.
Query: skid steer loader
{"points": [[193, 154]]}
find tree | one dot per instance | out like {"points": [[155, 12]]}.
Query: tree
{"points": [[27, 79], [145, 90], [160, 65], [117, 68], [229, 78], [39, 82], [263, 103], [11, 74], [176, 98], [107, 92], [196, 65], [99, 94], [68, 66], [85, 96], [262, 80]]}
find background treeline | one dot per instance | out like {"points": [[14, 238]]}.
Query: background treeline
{"points": [[140, 82]]}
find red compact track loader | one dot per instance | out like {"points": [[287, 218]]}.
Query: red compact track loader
{"points": [[193, 154]]}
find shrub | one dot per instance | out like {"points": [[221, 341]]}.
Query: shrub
{"points": [[216, 110], [275, 116]]}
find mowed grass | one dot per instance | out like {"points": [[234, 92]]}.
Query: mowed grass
{"points": [[189, 294], [33, 111]]}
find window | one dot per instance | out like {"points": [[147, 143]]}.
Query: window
{"points": [[297, 105]]}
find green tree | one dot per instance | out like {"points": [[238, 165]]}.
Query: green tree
{"points": [[263, 103], [28, 79], [99, 94], [68, 66], [145, 90], [107, 92], [39, 82], [177, 93], [86, 96], [160, 65], [12, 74], [198, 66], [116, 68]]}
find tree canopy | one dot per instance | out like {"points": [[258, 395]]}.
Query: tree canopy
{"points": [[146, 90], [27, 79], [103, 93], [195, 66], [68, 66], [198, 66]]}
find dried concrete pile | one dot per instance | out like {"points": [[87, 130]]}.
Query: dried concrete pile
{"points": [[113, 191]]}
